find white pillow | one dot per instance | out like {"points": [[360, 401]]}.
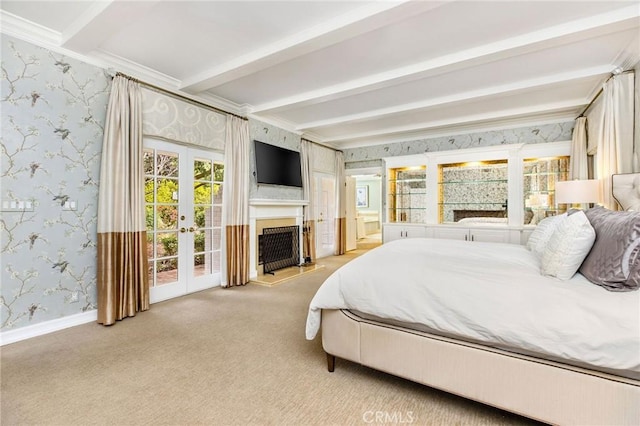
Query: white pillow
{"points": [[544, 230], [568, 247]]}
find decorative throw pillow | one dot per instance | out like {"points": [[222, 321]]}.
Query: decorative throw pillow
{"points": [[568, 247], [544, 230], [614, 260]]}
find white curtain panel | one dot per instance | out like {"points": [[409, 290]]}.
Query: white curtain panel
{"points": [[341, 213], [306, 148], [122, 281], [615, 147], [578, 166], [235, 214]]}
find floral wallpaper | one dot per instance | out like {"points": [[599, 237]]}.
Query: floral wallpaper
{"points": [[53, 111], [371, 156]]}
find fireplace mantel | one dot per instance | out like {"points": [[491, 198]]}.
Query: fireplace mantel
{"points": [[269, 202], [271, 209]]}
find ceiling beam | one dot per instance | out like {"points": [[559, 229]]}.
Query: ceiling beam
{"points": [[510, 88], [367, 18], [102, 20], [593, 26], [569, 106]]}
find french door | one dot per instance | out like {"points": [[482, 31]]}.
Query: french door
{"points": [[183, 201], [325, 201]]}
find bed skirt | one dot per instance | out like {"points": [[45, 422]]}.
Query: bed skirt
{"points": [[543, 390]]}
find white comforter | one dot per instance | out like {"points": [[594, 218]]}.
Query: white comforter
{"points": [[488, 292]]}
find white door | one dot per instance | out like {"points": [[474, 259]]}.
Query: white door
{"points": [[350, 200], [325, 193], [183, 195]]}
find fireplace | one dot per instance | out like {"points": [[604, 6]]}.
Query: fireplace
{"points": [[272, 214], [279, 248]]}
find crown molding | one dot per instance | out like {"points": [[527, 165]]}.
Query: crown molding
{"points": [[136, 70], [225, 104], [18, 27]]}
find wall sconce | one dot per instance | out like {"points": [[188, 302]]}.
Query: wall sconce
{"points": [[578, 191]]}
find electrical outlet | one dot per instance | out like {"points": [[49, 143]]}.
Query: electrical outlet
{"points": [[70, 206], [74, 297], [17, 205]]}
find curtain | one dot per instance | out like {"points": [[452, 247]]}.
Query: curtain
{"points": [[123, 283], [309, 223], [578, 168], [235, 217], [615, 148], [341, 213]]}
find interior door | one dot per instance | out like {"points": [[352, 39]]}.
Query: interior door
{"points": [[183, 195], [350, 201], [325, 201]]}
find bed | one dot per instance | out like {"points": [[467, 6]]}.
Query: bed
{"points": [[563, 351]]}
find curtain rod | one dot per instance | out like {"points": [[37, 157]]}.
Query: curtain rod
{"points": [[321, 144], [600, 91], [177, 95]]}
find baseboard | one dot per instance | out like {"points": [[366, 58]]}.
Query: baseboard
{"points": [[12, 336]]}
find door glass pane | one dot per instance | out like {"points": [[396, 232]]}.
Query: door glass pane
{"points": [[151, 273], [202, 216], [217, 215], [149, 189], [166, 271], [166, 217], [217, 193], [215, 239], [218, 172], [201, 193], [202, 264], [167, 164], [202, 170], [167, 191], [200, 240], [148, 161], [167, 244], [215, 261]]}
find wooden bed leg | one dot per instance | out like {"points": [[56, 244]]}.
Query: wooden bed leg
{"points": [[331, 363]]}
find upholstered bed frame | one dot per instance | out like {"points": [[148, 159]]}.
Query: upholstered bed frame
{"points": [[626, 190], [540, 389], [543, 390]]}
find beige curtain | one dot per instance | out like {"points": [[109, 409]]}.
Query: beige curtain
{"points": [[235, 215], [309, 225], [614, 140], [123, 283], [341, 213], [578, 168]]}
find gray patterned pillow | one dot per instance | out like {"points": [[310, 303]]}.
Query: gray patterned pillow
{"points": [[614, 260]]}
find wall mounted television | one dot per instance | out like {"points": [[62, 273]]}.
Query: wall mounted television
{"points": [[277, 166]]}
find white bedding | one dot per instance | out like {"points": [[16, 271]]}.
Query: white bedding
{"points": [[488, 292]]}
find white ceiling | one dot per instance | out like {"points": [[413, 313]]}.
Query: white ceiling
{"points": [[352, 73]]}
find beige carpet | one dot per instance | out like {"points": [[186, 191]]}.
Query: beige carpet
{"points": [[218, 357]]}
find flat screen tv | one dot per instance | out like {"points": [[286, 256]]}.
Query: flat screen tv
{"points": [[277, 166]]}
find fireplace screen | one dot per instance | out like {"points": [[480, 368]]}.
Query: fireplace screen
{"points": [[279, 247]]}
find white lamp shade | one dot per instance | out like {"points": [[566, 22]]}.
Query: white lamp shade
{"points": [[578, 191]]}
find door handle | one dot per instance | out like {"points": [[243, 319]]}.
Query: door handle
{"points": [[183, 230], [192, 228]]}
